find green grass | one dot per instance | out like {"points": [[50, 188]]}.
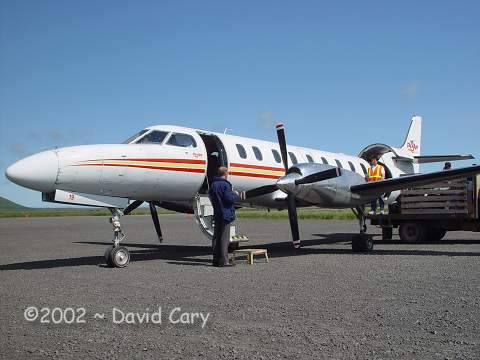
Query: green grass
{"points": [[303, 214], [69, 212], [9, 209], [314, 214]]}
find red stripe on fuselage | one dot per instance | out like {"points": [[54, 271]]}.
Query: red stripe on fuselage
{"points": [[257, 167], [149, 167], [265, 176], [179, 161]]}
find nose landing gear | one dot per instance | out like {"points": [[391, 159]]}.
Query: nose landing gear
{"points": [[116, 255]]}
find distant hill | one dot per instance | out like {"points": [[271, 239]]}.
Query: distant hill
{"points": [[6, 204]]}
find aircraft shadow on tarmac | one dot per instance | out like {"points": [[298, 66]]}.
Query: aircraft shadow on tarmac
{"points": [[201, 255]]}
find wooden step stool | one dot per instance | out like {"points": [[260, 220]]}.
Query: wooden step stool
{"points": [[250, 253]]}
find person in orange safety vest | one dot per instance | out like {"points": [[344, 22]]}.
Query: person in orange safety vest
{"points": [[376, 172]]}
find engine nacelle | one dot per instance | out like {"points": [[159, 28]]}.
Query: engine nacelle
{"points": [[333, 193]]}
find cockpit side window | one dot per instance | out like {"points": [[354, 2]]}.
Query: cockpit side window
{"points": [[131, 138], [154, 137], [182, 140]]}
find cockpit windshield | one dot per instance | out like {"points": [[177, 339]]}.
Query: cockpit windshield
{"points": [[131, 138], [154, 137], [151, 137]]}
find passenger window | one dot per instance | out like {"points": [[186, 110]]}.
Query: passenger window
{"points": [[293, 158], [182, 140], [339, 164], [276, 156], [309, 158], [258, 153], [241, 151], [364, 169], [352, 167], [154, 137], [324, 161]]}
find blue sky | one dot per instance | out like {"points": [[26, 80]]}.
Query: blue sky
{"points": [[339, 74]]}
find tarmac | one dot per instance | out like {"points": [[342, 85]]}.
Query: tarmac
{"points": [[58, 300]]}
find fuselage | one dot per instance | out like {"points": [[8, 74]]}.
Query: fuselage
{"points": [[173, 164]]}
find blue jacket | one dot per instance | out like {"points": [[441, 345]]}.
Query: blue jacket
{"points": [[223, 199]]}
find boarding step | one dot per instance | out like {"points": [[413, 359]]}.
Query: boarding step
{"points": [[250, 253]]}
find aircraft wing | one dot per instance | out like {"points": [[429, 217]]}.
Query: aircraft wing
{"points": [[439, 158], [388, 185]]}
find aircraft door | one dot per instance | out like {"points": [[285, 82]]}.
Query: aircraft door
{"points": [[216, 157]]}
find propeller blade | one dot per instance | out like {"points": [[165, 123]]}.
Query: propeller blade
{"points": [[132, 207], [156, 222], [319, 176], [283, 144], [262, 190], [292, 216], [292, 206]]}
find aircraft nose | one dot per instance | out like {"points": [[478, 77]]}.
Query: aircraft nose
{"points": [[37, 172]]}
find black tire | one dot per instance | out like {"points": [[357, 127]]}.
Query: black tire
{"points": [[387, 233], [362, 243], [108, 256], [412, 232], [434, 234], [120, 257]]}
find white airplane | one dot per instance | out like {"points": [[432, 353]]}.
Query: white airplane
{"points": [[171, 167]]}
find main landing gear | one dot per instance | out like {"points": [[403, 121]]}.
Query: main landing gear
{"points": [[116, 255], [361, 242]]}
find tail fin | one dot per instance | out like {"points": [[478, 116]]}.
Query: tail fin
{"points": [[414, 137]]}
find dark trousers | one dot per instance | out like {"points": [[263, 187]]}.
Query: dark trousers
{"points": [[374, 204], [220, 241]]}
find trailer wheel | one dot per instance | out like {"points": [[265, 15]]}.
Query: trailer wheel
{"points": [[412, 232], [387, 233], [434, 234]]}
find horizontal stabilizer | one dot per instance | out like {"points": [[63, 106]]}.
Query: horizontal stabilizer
{"points": [[440, 158], [405, 182]]}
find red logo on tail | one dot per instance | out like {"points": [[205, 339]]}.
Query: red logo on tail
{"points": [[411, 146]]}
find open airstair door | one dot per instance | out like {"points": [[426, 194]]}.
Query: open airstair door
{"points": [[216, 157], [202, 207]]}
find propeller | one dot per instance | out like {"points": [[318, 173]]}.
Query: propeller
{"points": [[319, 176], [153, 212], [132, 207], [292, 206], [262, 190]]}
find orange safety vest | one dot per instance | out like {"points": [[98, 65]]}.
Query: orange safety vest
{"points": [[375, 174]]}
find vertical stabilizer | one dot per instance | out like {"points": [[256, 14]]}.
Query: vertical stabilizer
{"points": [[414, 137]]}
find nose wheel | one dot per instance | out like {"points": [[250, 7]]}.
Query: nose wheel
{"points": [[361, 242], [116, 255]]}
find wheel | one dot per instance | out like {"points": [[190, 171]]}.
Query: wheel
{"points": [[412, 232], [120, 256], [434, 234], [234, 245], [108, 257], [387, 233], [362, 243]]}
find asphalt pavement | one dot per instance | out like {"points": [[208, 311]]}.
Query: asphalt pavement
{"points": [[59, 300]]}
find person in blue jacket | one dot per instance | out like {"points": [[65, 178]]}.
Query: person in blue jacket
{"points": [[223, 199]]}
